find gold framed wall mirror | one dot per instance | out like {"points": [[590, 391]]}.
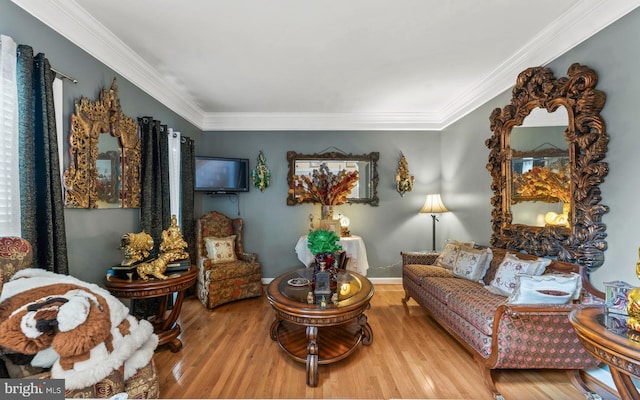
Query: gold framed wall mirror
{"points": [[104, 148], [564, 173], [366, 191]]}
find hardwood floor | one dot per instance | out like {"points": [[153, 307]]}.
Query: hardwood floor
{"points": [[228, 353]]}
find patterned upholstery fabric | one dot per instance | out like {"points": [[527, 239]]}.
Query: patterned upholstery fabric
{"points": [[526, 336], [220, 283], [15, 254]]}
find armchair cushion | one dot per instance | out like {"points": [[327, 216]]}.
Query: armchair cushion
{"points": [[15, 254], [221, 250]]}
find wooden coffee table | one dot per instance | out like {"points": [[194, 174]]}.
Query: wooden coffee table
{"points": [[164, 323], [315, 335]]}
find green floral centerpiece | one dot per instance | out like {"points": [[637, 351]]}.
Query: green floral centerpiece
{"points": [[323, 244], [322, 241]]}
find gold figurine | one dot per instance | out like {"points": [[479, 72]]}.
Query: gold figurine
{"points": [[633, 306], [155, 267], [136, 247], [172, 242]]}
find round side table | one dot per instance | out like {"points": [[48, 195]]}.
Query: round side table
{"points": [[164, 324]]}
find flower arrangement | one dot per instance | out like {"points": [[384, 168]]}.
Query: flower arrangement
{"points": [[542, 183], [323, 186], [322, 241]]}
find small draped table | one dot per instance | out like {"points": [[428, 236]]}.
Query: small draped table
{"points": [[353, 245]]}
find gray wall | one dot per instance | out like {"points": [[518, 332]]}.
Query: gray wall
{"points": [[616, 59], [273, 228], [451, 162], [93, 236]]}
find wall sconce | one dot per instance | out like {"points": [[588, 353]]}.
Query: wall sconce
{"points": [[404, 180], [261, 175], [433, 205]]}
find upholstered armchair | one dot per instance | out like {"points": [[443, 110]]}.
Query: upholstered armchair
{"points": [[226, 272]]}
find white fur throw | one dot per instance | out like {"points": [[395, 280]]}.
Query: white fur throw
{"points": [[77, 328]]}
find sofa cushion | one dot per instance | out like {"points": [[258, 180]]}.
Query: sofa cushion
{"points": [[504, 282], [448, 256], [416, 272], [443, 288], [546, 289], [472, 264], [478, 308]]}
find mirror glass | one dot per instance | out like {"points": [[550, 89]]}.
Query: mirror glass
{"points": [[540, 169], [104, 147], [365, 190]]}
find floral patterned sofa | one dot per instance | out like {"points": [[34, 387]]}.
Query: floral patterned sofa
{"points": [[521, 329], [142, 382]]}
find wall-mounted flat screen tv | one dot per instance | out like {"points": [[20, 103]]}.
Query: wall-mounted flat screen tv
{"points": [[222, 175]]}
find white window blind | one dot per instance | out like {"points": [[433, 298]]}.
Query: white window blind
{"points": [[174, 174], [9, 172]]}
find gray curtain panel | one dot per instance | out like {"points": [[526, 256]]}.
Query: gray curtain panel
{"points": [[40, 186], [187, 169]]}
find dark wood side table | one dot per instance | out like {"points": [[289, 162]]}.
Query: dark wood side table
{"points": [[164, 323], [606, 337]]}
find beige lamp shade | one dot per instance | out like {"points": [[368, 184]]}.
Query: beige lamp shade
{"points": [[433, 205]]}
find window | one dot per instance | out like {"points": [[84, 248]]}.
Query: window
{"points": [[9, 171]]}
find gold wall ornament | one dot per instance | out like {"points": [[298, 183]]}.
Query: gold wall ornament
{"points": [[583, 241], [261, 175], [173, 244], [95, 177], [136, 247], [404, 180]]}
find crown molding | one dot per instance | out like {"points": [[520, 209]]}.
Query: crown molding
{"points": [[583, 20], [400, 121], [70, 20]]}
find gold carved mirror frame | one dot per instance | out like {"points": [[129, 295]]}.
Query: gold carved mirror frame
{"points": [[83, 183], [583, 241]]}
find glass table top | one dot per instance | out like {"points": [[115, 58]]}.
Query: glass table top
{"points": [[297, 284]]}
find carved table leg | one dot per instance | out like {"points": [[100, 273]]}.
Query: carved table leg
{"points": [[274, 328], [625, 386], [312, 356], [367, 332]]}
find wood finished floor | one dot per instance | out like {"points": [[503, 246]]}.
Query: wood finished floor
{"points": [[227, 353]]}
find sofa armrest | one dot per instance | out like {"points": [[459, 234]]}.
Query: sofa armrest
{"points": [[536, 336], [422, 258]]}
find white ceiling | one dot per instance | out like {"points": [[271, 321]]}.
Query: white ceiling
{"points": [[325, 64]]}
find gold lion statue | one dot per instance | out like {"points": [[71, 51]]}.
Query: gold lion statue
{"points": [[136, 247], [633, 306], [155, 267]]}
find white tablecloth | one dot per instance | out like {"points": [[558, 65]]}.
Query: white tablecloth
{"points": [[353, 245]]}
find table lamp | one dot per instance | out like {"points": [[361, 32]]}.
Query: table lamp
{"points": [[433, 205]]}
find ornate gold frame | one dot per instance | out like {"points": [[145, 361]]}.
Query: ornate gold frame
{"points": [[584, 241], [92, 119]]}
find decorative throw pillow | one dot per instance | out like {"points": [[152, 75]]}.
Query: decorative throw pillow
{"points": [[504, 283], [221, 249], [546, 289], [448, 256], [472, 264]]}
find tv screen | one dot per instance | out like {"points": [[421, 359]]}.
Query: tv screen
{"points": [[222, 175]]}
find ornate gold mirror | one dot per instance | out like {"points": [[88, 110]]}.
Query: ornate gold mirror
{"points": [[366, 190], [538, 169], [104, 168]]}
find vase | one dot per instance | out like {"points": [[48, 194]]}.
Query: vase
{"points": [[326, 212]]}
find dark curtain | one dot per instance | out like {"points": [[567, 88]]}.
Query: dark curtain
{"points": [[187, 169], [155, 211], [40, 186]]}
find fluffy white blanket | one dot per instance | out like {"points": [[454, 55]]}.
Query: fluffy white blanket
{"points": [[77, 328]]}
